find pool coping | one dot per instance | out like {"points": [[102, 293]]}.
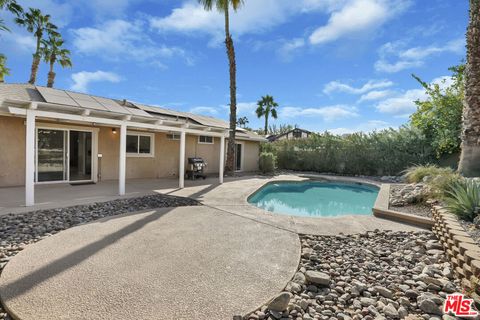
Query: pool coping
{"points": [[381, 209]]}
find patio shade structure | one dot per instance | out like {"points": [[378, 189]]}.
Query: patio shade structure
{"points": [[94, 113]]}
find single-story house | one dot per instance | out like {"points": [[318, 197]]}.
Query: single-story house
{"points": [[296, 133], [57, 136]]}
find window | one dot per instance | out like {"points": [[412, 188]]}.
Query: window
{"points": [[173, 136], [297, 134], [205, 139], [140, 144]]}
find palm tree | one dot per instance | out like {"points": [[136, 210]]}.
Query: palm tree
{"points": [[470, 158], [4, 71], [223, 6], [13, 7], [266, 107], [38, 24], [52, 53]]}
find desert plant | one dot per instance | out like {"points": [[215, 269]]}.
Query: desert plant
{"points": [[463, 199], [423, 173], [267, 162]]}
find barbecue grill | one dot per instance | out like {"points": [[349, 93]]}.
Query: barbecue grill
{"points": [[196, 168]]}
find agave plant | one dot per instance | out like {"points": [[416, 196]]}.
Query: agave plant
{"points": [[463, 199]]}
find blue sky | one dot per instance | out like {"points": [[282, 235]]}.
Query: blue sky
{"points": [[338, 65]]}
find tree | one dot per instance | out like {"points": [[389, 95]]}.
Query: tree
{"points": [[470, 157], [439, 117], [266, 107], [38, 24], [52, 51], [242, 122], [4, 71], [223, 7]]}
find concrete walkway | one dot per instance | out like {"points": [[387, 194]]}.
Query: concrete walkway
{"points": [[209, 262], [233, 194], [182, 263]]}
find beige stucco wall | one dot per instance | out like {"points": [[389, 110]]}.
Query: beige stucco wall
{"points": [[163, 164], [252, 151], [12, 151]]}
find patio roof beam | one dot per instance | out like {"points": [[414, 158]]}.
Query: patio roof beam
{"points": [[106, 121]]}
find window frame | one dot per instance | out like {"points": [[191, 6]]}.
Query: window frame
{"points": [[138, 154], [171, 136], [203, 142]]}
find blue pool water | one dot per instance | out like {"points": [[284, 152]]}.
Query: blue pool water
{"points": [[316, 198]]}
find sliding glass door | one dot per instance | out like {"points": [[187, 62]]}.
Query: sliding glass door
{"points": [[64, 155], [80, 155]]}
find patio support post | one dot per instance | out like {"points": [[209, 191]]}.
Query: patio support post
{"points": [[181, 167], [30, 159], [122, 159], [222, 159]]}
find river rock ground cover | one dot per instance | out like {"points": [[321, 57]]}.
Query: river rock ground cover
{"points": [[376, 275], [19, 230]]}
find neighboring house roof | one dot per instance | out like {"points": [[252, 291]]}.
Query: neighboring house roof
{"points": [[114, 107], [275, 137]]}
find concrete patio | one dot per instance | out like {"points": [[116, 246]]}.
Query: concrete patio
{"points": [[49, 196], [205, 262]]}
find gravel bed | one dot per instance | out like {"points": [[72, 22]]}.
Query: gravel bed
{"points": [[420, 209], [471, 229], [376, 275], [405, 201], [19, 230]]}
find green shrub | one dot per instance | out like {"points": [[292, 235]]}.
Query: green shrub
{"points": [[436, 178], [267, 162], [386, 152], [418, 173], [463, 199]]}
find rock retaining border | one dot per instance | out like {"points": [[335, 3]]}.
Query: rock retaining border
{"points": [[461, 249]]}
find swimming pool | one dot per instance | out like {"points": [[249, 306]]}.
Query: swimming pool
{"points": [[316, 198]]}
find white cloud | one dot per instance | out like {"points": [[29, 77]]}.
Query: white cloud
{"points": [[120, 39], [84, 78], [204, 110], [328, 113], [289, 47], [253, 17], [20, 41], [394, 57], [357, 16], [375, 95], [403, 103], [369, 126], [337, 86], [444, 82]]}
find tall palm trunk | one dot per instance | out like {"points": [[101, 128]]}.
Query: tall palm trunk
{"points": [[35, 63], [470, 158], [266, 123], [51, 74], [233, 95]]}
